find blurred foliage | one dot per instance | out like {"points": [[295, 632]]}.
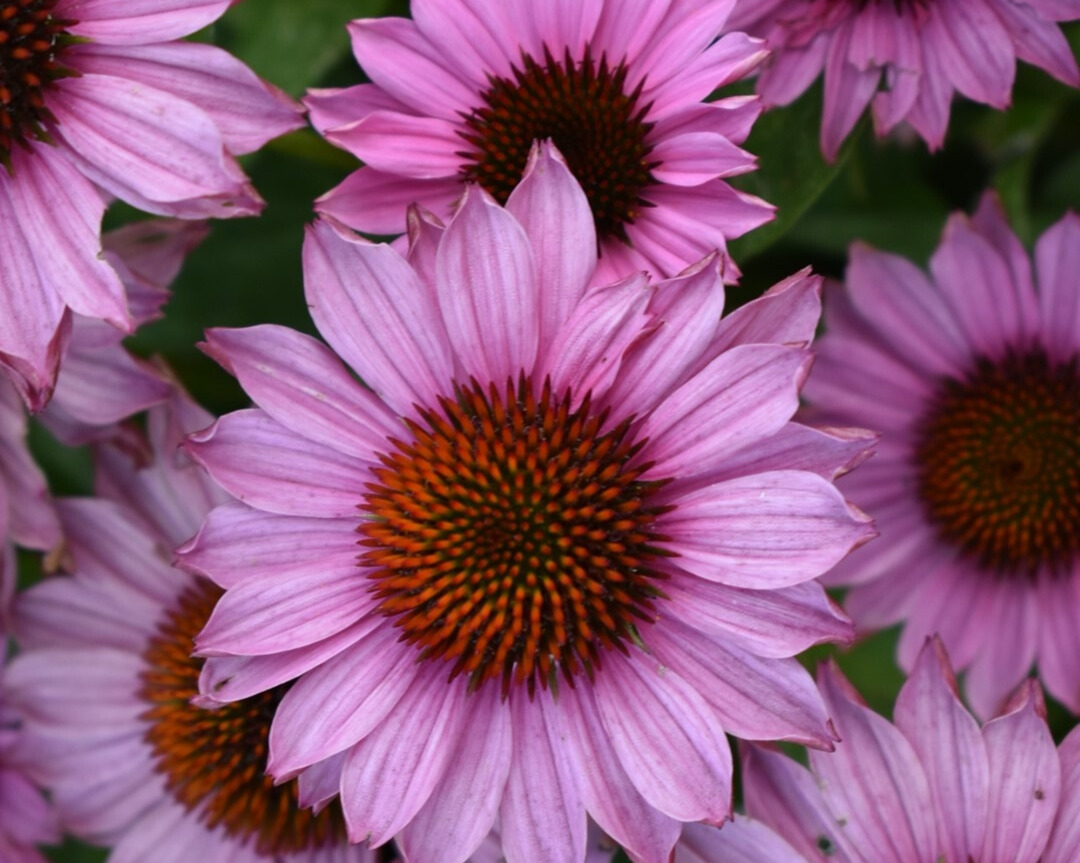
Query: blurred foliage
{"points": [[893, 194]]}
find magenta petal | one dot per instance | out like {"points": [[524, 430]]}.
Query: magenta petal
{"points": [[248, 111], [304, 386], [609, 795], [1025, 783], [668, 738], [291, 608], [372, 201], [787, 314], [743, 395], [488, 291], [333, 706], [542, 815], [366, 301], [140, 21], [383, 783], [330, 108], [950, 747], [460, 811], [269, 467], [974, 49], [696, 157], [551, 207], [423, 148], [848, 90]]}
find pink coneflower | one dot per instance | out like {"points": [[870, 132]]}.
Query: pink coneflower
{"points": [[565, 540], [907, 57], [932, 788], [463, 90], [973, 377], [104, 684], [99, 100]]}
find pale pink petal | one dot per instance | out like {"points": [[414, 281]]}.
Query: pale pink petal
{"points": [[472, 36], [384, 784], [142, 140], [742, 841], [689, 27], [754, 698], [667, 737], [330, 108], [694, 158], [264, 464], [730, 58], [333, 706], [1057, 261], [624, 29], [875, 780], [1025, 783], [320, 783], [397, 57], [461, 809], [550, 205], [743, 395], [140, 21], [291, 608], [303, 385], [769, 623], [950, 747], [488, 290], [367, 301], [787, 313], [247, 111], [423, 148], [542, 816], [1064, 845], [237, 542], [372, 201]]}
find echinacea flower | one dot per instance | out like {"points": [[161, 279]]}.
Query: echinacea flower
{"points": [[973, 378], [106, 688], [563, 540], [930, 787], [462, 90], [906, 58], [99, 99]]}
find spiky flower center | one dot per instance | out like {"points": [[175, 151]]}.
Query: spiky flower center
{"points": [[513, 536], [214, 760], [584, 107], [999, 463], [31, 42]]}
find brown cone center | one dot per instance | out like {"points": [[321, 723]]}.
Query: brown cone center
{"points": [[214, 760], [513, 536], [584, 107], [999, 463]]}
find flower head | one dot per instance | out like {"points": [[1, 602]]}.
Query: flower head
{"points": [[931, 786], [106, 689], [565, 540], [463, 90], [906, 57], [975, 486], [100, 100]]}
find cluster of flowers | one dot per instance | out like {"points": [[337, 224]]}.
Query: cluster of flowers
{"points": [[494, 571]]}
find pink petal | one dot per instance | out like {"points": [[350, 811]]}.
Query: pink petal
{"points": [[142, 140], [33, 522], [341, 701], [460, 811], [1039, 41], [1059, 637], [550, 205], [393, 770], [742, 396], [247, 111], [264, 464], [730, 58], [472, 36], [304, 386], [792, 70], [694, 158], [848, 90], [609, 795], [786, 314], [487, 290], [742, 841], [372, 201], [423, 148], [769, 623], [1064, 845], [332, 107], [1057, 261], [668, 738], [1025, 783], [974, 49], [367, 302], [289, 609], [754, 698], [687, 29], [140, 21], [542, 816], [950, 747]]}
